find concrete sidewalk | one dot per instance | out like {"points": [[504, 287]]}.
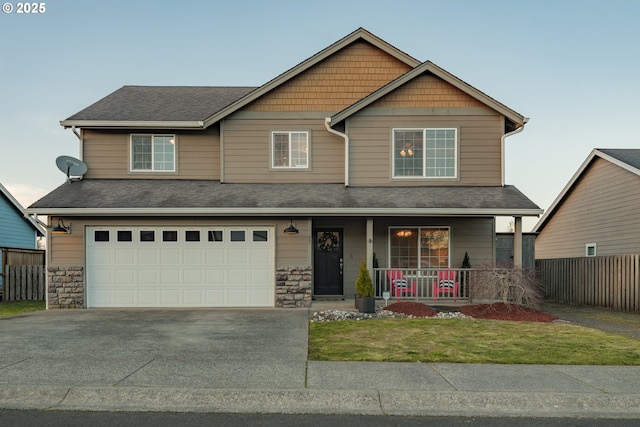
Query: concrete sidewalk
{"points": [[254, 361], [374, 388]]}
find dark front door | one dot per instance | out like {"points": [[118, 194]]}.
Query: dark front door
{"points": [[328, 262]]}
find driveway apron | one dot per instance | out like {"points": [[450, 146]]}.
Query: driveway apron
{"points": [[209, 348]]}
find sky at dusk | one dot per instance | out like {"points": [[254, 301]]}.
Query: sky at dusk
{"points": [[571, 66]]}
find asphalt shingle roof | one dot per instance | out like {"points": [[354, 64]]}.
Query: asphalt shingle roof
{"points": [[630, 156], [162, 103], [145, 194]]}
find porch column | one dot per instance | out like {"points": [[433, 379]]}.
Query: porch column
{"points": [[517, 241], [370, 246]]}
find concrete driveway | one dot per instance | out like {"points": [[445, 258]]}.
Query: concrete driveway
{"points": [[209, 348]]}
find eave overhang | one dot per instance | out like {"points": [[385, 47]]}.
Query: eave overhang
{"points": [[106, 124], [155, 212]]}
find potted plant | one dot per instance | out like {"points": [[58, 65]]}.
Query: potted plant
{"points": [[465, 274], [364, 288]]}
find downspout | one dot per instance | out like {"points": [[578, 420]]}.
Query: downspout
{"points": [[80, 139], [502, 140], [327, 124]]}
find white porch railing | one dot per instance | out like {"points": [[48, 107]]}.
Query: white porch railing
{"points": [[445, 285]]}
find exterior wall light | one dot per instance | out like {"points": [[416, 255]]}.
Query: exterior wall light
{"points": [[61, 228], [291, 230]]}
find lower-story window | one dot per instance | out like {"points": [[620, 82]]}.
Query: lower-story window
{"points": [[419, 247]]}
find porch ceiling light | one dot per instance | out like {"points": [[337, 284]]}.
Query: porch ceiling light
{"points": [[291, 230], [61, 228]]}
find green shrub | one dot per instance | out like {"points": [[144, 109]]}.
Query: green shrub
{"points": [[364, 285]]}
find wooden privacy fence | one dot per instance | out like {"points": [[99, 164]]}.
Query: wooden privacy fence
{"points": [[23, 283], [22, 274], [606, 281]]}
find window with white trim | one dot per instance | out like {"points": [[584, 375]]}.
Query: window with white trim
{"points": [[419, 247], [425, 153], [290, 150], [153, 153], [590, 249]]}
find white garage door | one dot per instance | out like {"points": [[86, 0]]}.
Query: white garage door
{"points": [[180, 266]]}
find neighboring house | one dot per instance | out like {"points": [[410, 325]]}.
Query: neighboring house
{"points": [[597, 211], [271, 196], [17, 230]]}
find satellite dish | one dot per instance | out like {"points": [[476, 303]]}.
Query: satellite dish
{"points": [[71, 166]]}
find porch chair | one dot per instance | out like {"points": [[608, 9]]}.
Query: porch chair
{"points": [[446, 282], [399, 284]]}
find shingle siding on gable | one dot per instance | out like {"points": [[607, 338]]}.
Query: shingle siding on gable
{"points": [[428, 91], [334, 83], [602, 208]]}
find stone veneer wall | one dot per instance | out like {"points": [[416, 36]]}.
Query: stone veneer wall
{"points": [[66, 287], [293, 286]]}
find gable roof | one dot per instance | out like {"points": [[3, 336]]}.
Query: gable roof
{"points": [[430, 67], [18, 207], [626, 158], [157, 106], [200, 197], [359, 34], [199, 107]]}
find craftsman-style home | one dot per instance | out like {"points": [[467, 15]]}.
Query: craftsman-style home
{"points": [[271, 196]]}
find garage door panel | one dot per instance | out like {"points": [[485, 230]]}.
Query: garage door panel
{"points": [[170, 297], [259, 277], [192, 277], [216, 256], [258, 295], [147, 277], [147, 297], [238, 256], [193, 297], [193, 256], [125, 297], [261, 256], [215, 297], [170, 256], [125, 277], [199, 269], [237, 277], [147, 256], [169, 276], [216, 276], [125, 256]]}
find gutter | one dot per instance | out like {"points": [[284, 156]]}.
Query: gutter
{"points": [[121, 124], [279, 211], [502, 141], [327, 124]]}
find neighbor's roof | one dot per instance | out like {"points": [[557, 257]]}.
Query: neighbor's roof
{"points": [[18, 207], [200, 197], [626, 158]]}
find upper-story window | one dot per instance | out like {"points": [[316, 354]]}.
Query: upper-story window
{"points": [[153, 153], [425, 153], [290, 149]]}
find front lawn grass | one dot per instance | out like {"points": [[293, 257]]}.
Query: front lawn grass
{"points": [[10, 308], [469, 341]]}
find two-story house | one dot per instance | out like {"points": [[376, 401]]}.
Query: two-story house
{"points": [[270, 196]]}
